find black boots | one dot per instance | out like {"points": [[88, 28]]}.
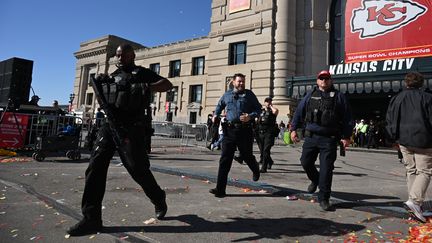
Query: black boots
{"points": [[312, 187], [161, 207], [85, 227], [217, 193], [325, 205]]}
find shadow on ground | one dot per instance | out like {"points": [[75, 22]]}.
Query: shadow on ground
{"points": [[262, 228]]}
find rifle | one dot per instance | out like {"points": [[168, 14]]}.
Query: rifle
{"points": [[112, 121]]}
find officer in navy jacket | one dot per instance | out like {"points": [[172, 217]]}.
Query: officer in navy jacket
{"points": [[325, 115]]}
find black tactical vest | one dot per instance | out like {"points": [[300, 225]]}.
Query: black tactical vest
{"points": [[322, 110], [267, 118], [129, 95]]}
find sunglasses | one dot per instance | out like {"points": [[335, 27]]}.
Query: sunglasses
{"points": [[324, 78]]}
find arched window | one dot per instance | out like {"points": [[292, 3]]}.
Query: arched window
{"points": [[337, 32]]}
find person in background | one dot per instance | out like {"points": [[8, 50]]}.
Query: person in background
{"points": [[218, 143], [362, 133], [266, 126], [327, 117], [214, 131], [409, 126], [58, 110], [100, 116], [34, 100], [372, 135], [282, 128]]}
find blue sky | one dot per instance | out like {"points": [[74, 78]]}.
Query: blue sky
{"points": [[50, 31]]}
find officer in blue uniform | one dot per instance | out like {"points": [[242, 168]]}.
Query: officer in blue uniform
{"points": [[326, 115], [242, 107], [127, 92]]}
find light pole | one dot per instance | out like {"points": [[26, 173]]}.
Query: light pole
{"points": [[71, 99]]}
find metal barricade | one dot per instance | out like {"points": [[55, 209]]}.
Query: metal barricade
{"points": [[166, 134], [170, 134], [50, 125], [23, 130], [195, 135]]}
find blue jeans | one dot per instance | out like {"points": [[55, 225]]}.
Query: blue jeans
{"points": [[219, 141]]}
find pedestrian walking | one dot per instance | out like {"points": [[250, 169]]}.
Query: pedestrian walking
{"points": [[326, 115], [362, 133], [372, 134], [128, 100], [282, 129], [242, 107], [267, 131], [218, 144], [409, 124]]}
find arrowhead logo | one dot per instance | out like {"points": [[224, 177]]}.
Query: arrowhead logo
{"points": [[379, 17]]}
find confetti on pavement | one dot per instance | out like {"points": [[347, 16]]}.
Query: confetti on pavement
{"points": [[246, 189], [150, 221]]}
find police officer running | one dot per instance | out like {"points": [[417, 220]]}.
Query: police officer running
{"points": [[128, 98], [266, 133], [242, 107], [327, 115]]}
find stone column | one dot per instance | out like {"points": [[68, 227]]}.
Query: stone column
{"points": [[284, 53]]}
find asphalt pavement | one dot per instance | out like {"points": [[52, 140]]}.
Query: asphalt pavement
{"points": [[40, 200]]}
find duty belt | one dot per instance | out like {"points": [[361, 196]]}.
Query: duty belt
{"points": [[309, 133], [238, 125]]}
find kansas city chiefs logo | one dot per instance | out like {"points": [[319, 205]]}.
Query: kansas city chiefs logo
{"points": [[379, 17]]}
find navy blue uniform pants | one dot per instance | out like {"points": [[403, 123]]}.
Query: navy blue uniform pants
{"points": [[135, 160], [241, 138], [326, 148]]}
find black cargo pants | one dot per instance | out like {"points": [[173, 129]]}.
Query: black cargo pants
{"points": [[135, 159]]}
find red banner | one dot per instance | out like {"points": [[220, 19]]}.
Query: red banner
{"points": [[10, 136], [167, 106], [387, 29]]}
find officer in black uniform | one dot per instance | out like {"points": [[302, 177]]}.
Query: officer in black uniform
{"points": [[242, 107], [266, 133], [128, 97], [327, 115]]}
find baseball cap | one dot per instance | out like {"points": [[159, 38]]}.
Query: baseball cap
{"points": [[268, 99], [324, 73]]}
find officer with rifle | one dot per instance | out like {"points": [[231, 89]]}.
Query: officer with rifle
{"points": [[326, 114], [267, 131], [125, 98]]}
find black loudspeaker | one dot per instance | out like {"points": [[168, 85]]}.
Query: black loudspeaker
{"points": [[15, 81]]}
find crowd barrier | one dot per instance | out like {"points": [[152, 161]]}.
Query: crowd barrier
{"points": [[41, 133], [21, 131], [170, 134]]}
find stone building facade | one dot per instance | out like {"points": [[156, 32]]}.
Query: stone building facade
{"points": [[269, 41], [278, 44]]}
